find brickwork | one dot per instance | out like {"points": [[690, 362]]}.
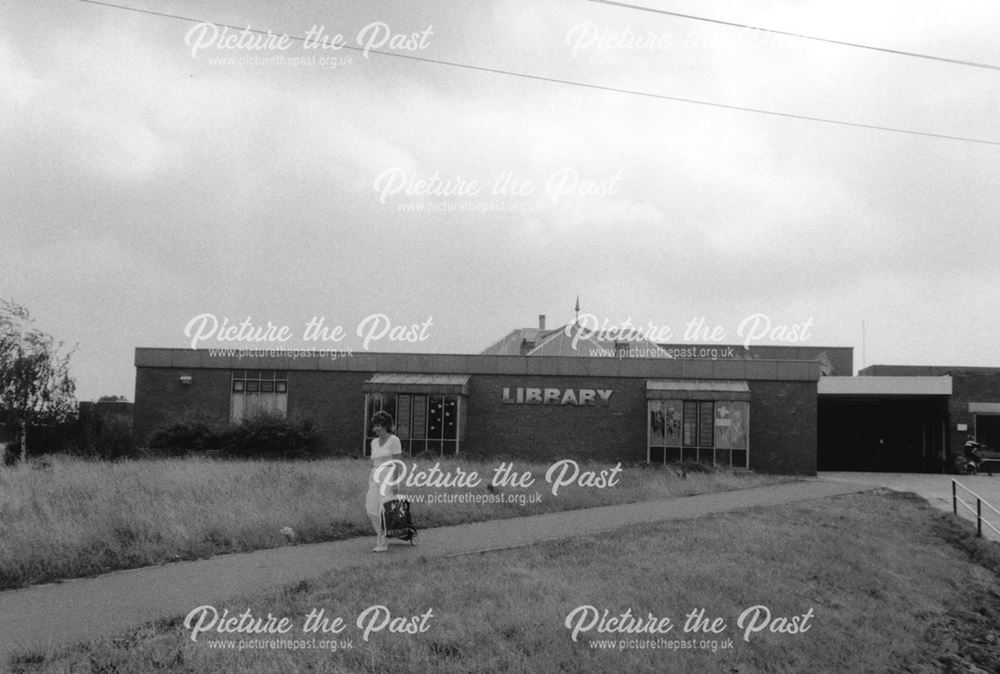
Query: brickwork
{"points": [[160, 397], [335, 402], [783, 419], [969, 387], [615, 431], [783, 409]]}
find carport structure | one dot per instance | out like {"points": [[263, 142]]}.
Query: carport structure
{"points": [[873, 423]]}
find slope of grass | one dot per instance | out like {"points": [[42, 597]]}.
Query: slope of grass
{"points": [[77, 518], [890, 585]]}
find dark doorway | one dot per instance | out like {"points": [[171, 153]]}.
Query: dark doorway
{"points": [[882, 433]]}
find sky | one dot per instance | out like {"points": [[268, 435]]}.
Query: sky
{"points": [[164, 175]]}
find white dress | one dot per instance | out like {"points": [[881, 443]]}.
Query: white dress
{"points": [[381, 453]]}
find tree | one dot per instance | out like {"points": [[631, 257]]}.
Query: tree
{"points": [[35, 386]]}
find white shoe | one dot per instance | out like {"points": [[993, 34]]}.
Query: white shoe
{"points": [[382, 545]]}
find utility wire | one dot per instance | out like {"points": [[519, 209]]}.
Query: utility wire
{"points": [[585, 85], [898, 52]]}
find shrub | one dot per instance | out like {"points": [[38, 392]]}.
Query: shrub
{"points": [[97, 436], [11, 453], [260, 436], [272, 436], [114, 441], [191, 433]]}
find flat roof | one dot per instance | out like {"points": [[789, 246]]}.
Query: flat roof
{"points": [[873, 386], [924, 370], [371, 362]]}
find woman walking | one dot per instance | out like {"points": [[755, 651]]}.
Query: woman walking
{"points": [[385, 447]]}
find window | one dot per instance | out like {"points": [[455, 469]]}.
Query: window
{"points": [[665, 427], [256, 392], [710, 431], [424, 422], [731, 433], [987, 428]]}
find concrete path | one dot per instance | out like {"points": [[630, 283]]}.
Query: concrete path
{"points": [[46, 616], [937, 490]]}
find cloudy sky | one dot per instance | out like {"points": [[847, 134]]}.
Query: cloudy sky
{"points": [[156, 169]]}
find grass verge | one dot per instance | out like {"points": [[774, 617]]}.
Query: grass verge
{"points": [[891, 585], [76, 518]]}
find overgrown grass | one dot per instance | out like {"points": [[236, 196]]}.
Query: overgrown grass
{"points": [[75, 518], [893, 586]]}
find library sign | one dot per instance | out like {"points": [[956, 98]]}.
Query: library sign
{"points": [[557, 396]]}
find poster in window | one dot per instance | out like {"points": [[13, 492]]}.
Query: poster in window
{"points": [[656, 423], [450, 417], [665, 423], [673, 413], [731, 424], [435, 417]]}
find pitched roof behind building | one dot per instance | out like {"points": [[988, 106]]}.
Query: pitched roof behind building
{"points": [[517, 342]]}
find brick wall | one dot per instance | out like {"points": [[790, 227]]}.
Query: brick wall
{"points": [[969, 387], [783, 418], [615, 431], [160, 397], [335, 402], [783, 414]]}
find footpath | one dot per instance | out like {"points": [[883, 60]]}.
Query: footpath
{"points": [[936, 489], [61, 614]]}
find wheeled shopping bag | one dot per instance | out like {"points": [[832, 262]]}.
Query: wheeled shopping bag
{"points": [[397, 522]]}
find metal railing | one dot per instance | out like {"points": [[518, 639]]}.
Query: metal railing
{"points": [[977, 511]]}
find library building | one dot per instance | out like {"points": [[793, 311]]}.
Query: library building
{"points": [[542, 394]]}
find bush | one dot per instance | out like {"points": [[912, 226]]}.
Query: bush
{"points": [[11, 453], [261, 436], [190, 433], [272, 436], [101, 437], [114, 440]]}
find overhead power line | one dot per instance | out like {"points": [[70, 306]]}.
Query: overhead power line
{"points": [[585, 85], [844, 43]]}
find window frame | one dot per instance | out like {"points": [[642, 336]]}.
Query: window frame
{"points": [[417, 432], [696, 415], [246, 383]]}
